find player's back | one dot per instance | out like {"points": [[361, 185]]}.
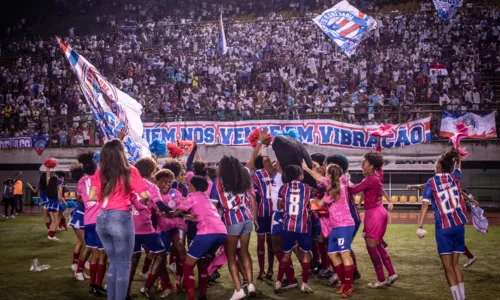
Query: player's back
{"points": [[295, 197]]}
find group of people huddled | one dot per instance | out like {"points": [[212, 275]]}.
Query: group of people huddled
{"points": [[305, 207]]}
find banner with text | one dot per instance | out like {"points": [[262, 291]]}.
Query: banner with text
{"points": [[316, 132]]}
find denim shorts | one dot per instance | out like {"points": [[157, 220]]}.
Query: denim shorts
{"points": [[240, 228]]}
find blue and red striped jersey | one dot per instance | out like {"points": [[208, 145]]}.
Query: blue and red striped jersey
{"points": [[181, 187], [235, 208], [444, 193], [295, 197], [262, 184]]}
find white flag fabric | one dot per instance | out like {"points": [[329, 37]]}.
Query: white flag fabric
{"points": [[346, 26], [480, 126], [446, 9], [112, 109], [222, 46]]}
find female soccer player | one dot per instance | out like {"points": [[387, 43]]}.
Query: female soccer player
{"points": [[341, 224], [232, 192], [211, 234], [94, 245], [376, 218], [113, 186], [443, 192]]}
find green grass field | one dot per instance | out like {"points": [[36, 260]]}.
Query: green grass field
{"points": [[417, 262]]}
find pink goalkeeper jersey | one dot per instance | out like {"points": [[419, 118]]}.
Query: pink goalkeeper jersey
{"points": [[338, 211], [208, 220], [372, 187], [172, 200], [91, 207], [142, 213]]}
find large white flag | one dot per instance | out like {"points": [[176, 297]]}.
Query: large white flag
{"points": [[222, 46], [346, 26], [446, 9], [112, 109], [480, 126]]}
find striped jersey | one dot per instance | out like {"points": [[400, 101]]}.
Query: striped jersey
{"points": [[262, 184], [181, 187], [235, 208], [295, 197], [444, 193]]}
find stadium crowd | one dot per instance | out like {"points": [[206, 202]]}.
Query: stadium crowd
{"points": [[276, 65]]}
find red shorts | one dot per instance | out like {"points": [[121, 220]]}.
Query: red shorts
{"points": [[375, 223]]}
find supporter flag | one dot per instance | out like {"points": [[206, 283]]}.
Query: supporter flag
{"points": [[480, 126], [112, 109], [346, 26], [40, 143], [439, 69], [221, 46], [446, 9]]}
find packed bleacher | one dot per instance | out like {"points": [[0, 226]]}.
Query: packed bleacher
{"points": [[278, 65]]}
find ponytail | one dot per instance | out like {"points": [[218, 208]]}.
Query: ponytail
{"points": [[334, 172]]}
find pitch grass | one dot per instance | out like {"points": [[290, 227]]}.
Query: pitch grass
{"points": [[417, 262]]}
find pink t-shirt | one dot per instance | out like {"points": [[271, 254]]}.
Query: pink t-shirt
{"points": [[118, 199], [142, 213], [207, 218], [339, 212], [172, 200], [372, 187], [91, 207]]}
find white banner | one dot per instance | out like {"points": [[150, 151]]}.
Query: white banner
{"points": [[480, 127]]}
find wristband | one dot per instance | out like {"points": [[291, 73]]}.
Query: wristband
{"points": [[259, 142]]}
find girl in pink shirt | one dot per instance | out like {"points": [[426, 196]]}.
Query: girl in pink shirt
{"points": [[114, 186], [341, 224], [375, 217], [211, 234]]}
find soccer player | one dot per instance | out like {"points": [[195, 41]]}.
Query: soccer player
{"points": [[232, 192], [342, 226], [294, 197], [376, 217], [211, 234], [443, 192], [76, 222]]}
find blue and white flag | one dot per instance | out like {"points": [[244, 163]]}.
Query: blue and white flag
{"points": [[346, 26], [112, 109], [446, 9], [221, 45], [40, 143], [479, 126]]}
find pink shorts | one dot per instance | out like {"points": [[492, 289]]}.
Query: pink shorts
{"points": [[375, 223]]}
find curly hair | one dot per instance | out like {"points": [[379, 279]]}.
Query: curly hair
{"points": [[212, 173], [375, 159], [165, 173], [292, 172], [88, 162], [77, 172], [173, 165], [146, 166], [447, 160], [235, 179]]}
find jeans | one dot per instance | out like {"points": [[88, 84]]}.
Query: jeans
{"points": [[19, 203], [116, 231]]}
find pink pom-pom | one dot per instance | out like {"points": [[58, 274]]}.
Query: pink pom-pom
{"points": [[50, 163], [174, 151], [383, 131], [461, 133]]}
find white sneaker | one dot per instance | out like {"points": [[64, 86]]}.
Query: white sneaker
{"points": [[87, 265], [85, 275], [252, 292], [53, 238], [377, 284], [172, 268], [277, 287], [7, 217], [166, 293], [238, 295], [305, 288], [12, 217], [74, 267], [144, 275], [79, 276], [334, 279], [392, 279], [470, 262]]}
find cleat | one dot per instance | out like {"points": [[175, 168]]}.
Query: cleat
{"points": [[172, 268], [244, 283], [287, 285], [252, 292], [144, 275], [277, 287], [340, 290], [470, 262], [100, 291], [323, 274], [261, 276], [213, 278], [79, 276], [392, 279], [384, 244], [356, 277], [377, 284], [333, 279], [92, 289], [87, 265], [145, 293], [347, 293], [269, 275], [166, 293], [238, 295], [305, 288], [74, 267]]}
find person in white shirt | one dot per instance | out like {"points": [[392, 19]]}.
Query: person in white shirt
{"points": [[476, 99]]}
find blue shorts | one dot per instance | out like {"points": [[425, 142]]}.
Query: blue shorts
{"points": [[53, 206], [76, 219], [357, 224], [240, 228], [206, 244], [151, 241], [166, 239], [341, 239], [451, 240], [264, 225], [277, 223], [290, 238], [316, 229], [92, 238]]}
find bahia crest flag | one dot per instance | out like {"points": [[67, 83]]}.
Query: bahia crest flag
{"points": [[346, 26], [112, 109], [221, 45], [446, 9], [479, 126]]}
